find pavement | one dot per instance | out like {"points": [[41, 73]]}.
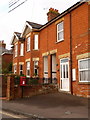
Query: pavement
{"points": [[52, 105]]}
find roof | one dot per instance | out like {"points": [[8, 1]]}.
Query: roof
{"points": [[31, 26], [63, 14], [39, 27], [34, 25], [15, 35], [18, 34], [4, 50]]}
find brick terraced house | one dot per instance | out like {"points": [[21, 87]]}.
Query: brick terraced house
{"points": [[57, 52]]}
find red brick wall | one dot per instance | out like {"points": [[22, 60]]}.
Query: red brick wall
{"points": [[31, 54], [6, 60], [79, 44], [47, 42]]}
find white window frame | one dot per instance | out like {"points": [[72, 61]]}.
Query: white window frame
{"points": [[15, 69], [59, 31], [28, 44], [16, 50], [35, 67], [20, 69], [36, 41], [21, 49], [27, 68], [82, 69]]}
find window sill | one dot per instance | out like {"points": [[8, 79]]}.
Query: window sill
{"points": [[35, 49], [85, 83], [28, 51], [35, 76], [28, 76], [59, 41], [21, 55]]}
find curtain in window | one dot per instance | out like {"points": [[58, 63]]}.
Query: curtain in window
{"points": [[84, 68]]}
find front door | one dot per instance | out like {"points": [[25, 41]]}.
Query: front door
{"points": [[64, 75]]}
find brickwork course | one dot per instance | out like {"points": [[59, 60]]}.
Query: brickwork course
{"points": [[74, 47]]}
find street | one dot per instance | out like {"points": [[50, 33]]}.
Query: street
{"points": [[57, 105]]}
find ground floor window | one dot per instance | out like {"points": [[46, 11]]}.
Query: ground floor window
{"points": [[28, 69], [84, 70], [36, 68], [15, 69], [21, 69]]}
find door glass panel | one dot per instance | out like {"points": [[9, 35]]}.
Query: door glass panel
{"points": [[66, 71], [64, 60], [63, 71]]}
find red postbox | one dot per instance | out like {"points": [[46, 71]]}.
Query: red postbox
{"points": [[22, 81]]}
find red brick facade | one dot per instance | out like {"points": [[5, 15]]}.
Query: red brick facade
{"points": [[74, 46]]}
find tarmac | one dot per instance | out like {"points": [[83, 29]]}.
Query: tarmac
{"points": [[52, 105]]}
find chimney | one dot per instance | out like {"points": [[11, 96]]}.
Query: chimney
{"points": [[2, 44], [52, 14]]}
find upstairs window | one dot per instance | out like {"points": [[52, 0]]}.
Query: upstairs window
{"points": [[28, 44], [21, 69], [84, 70], [21, 49], [28, 69], [60, 31], [35, 42], [16, 50]]}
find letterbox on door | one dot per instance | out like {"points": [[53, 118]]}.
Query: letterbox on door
{"points": [[22, 81]]}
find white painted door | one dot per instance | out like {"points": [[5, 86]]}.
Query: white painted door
{"points": [[64, 75]]}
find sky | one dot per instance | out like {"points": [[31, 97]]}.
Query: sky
{"points": [[31, 10]]}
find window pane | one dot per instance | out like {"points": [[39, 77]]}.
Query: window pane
{"points": [[21, 49], [60, 26], [89, 75], [64, 60], [28, 44], [21, 67], [28, 72], [36, 71], [60, 31], [21, 72], [28, 65], [84, 64], [35, 67], [84, 69], [28, 69], [63, 71], [60, 35], [84, 76], [36, 42], [66, 71], [15, 69]]}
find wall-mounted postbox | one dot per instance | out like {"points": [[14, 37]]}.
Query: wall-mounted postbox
{"points": [[22, 81]]}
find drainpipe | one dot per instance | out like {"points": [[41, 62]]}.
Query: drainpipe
{"points": [[71, 53]]}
